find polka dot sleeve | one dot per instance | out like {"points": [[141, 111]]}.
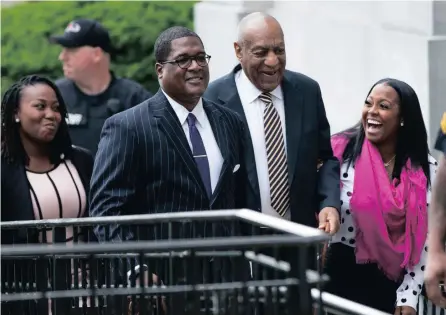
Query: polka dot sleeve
{"points": [[409, 290]]}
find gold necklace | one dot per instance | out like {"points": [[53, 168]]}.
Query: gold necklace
{"points": [[390, 161]]}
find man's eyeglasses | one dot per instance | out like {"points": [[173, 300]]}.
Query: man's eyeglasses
{"points": [[185, 62]]}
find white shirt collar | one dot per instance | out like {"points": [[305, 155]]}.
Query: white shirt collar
{"points": [[250, 93], [182, 112]]}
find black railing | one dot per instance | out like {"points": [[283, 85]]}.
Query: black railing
{"points": [[204, 262]]}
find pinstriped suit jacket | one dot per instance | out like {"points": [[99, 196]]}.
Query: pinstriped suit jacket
{"points": [[144, 165]]}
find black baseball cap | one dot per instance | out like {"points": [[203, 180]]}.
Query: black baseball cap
{"points": [[84, 32]]}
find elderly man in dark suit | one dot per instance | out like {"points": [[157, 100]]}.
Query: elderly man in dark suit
{"points": [[173, 152], [288, 133], [295, 175]]}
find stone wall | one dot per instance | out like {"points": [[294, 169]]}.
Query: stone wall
{"points": [[346, 46]]}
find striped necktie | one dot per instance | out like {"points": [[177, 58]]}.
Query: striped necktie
{"points": [[276, 157]]}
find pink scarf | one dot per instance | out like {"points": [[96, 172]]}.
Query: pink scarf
{"points": [[390, 219]]}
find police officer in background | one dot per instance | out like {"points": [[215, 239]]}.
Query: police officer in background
{"points": [[92, 92]]}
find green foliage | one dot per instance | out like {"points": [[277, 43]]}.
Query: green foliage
{"points": [[133, 25]]}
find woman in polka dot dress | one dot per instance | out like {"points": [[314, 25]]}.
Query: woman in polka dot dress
{"points": [[377, 257]]}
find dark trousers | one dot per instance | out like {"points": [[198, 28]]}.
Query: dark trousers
{"points": [[290, 255], [361, 283], [188, 272], [213, 271]]}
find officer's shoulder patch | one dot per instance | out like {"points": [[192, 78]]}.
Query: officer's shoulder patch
{"points": [[443, 124]]}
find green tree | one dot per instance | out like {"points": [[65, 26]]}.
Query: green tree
{"points": [[134, 27]]}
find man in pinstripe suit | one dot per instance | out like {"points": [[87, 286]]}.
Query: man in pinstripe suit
{"points": [[173, 152]]}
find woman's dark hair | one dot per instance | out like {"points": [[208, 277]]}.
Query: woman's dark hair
{"points": [[412, 137], [11, 144]]}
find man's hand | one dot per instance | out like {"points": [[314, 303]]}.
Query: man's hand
{"points": [[329, 220], [155, 281], [435, 274], [405, 310]]}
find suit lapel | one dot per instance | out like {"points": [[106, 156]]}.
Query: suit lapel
{"points": [[220, 131], [229, 97], [168, 122], [294, 104]]}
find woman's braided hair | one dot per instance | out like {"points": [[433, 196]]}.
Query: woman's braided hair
{"points": [[11, 144]]}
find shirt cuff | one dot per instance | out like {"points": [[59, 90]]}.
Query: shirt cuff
{"points": [[136, 272], [407, 298]]}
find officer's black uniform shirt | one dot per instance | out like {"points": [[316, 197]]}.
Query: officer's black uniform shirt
{"points": [[87, 113], [440, 144]]}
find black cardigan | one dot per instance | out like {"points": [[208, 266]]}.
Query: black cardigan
{"points": [[16, 203]]}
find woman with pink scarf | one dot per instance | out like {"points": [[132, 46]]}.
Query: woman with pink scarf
{"points": [[377, 257]]}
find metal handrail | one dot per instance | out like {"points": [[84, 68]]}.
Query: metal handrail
{"points": [[290, 234], [333, 303], [144, 246], [297, 233], [246, 215]]}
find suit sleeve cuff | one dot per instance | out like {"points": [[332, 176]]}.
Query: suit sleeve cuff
{"points": [[135, 272], [326, 204]]}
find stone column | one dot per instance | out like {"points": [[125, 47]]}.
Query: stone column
{"points": [[437, 68], [346, 46]]}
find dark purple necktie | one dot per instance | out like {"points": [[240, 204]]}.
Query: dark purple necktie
{"points": [[199, 153]]}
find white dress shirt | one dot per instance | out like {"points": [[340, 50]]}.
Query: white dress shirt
{"points": [[409, 290], [254, 108], [207, 135]]}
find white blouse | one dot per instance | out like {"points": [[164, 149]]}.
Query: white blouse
{"points": [[409, 290]]}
